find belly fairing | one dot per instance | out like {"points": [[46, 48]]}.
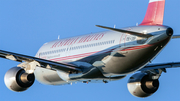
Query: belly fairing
{"points": [[49, 77]]}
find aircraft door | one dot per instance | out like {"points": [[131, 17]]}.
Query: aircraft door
{"points": [[123, 40]]}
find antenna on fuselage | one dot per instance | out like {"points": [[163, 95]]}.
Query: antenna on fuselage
{"points": [[114, 26], [58, 36], [137, 24]]}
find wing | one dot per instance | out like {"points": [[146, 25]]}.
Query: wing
{"points": [[175, 36], [160, 66], [126, 31], [42, 62]]}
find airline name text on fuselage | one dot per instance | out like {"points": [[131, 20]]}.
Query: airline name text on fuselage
{"points": [[81, 39]]}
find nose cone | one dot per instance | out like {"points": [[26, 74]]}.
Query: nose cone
{"points": [[169, 31]]}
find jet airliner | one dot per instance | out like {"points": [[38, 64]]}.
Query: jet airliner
{"points": [[99, 57]]}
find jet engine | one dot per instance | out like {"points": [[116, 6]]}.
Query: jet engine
{"points": [[16, 79], [142, 85]]}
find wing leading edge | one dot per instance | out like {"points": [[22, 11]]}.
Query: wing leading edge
{"points": [[126, 31], [175, 36], [160, 66]]}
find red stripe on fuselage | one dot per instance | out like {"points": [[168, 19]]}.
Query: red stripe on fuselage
{"points": [[101, 52], [80, 55], [136, 47]]}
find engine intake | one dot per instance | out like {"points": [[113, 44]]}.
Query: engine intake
{"points": [[16, 79], [141, 85]]}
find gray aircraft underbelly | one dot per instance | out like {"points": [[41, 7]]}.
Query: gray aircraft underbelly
{"points": [[129, 60]]}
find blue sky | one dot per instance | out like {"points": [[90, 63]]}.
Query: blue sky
{"points": [[26, 24]]}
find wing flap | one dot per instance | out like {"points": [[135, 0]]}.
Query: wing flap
{"points": [[43, 62]]}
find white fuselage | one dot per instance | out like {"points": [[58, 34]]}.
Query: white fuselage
{"points": [[73, 49], [82, 50]]}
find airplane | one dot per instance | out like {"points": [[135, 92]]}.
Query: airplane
{"points": [[99, 57]]}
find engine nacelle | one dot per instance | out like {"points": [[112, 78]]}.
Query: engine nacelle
{"points": [[16, 79], [141, 85]]}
